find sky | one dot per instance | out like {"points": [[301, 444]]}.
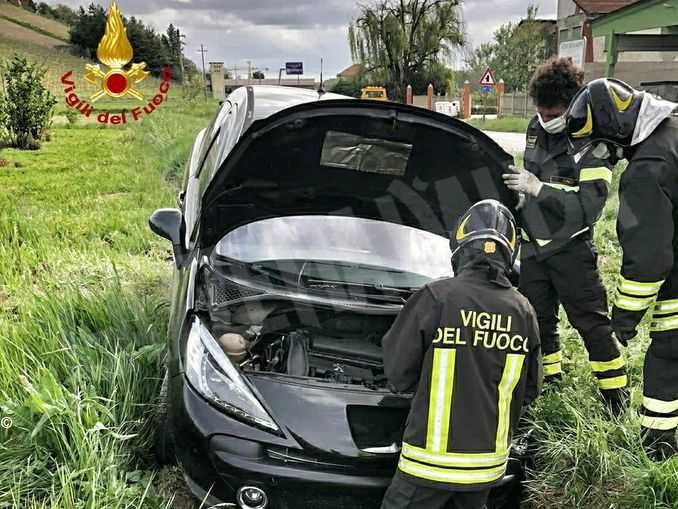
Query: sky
{"points": [[271, 32]]}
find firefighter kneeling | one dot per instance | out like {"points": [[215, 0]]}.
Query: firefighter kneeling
{"points": [[469, 348]]}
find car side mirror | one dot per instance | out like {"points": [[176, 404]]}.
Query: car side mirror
{"points": [[167, 224]]}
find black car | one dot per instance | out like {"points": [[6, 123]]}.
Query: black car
{"points": [[306, 221]]}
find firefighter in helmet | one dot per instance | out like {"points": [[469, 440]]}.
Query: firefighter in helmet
{"points": [[642, 129], [563, 199], [468, 347]]}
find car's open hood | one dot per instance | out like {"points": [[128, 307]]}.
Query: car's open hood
{"points": [[381, 161]]}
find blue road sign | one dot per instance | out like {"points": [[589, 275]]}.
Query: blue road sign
{"points": [[295, 68], [486, 89]]}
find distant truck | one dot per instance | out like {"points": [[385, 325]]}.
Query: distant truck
{"points": [[374, 93], [451, 108]]}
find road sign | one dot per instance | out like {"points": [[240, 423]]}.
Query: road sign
{"points": [[574, 50], [486, 89], [295, 68], [488, 78]]}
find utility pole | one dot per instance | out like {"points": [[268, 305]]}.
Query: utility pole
{"points": [[249, 71], [321, 75], [182, 43], [202, 50]]}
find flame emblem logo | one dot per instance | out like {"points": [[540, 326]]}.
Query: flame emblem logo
{"points": [[115, 51]]}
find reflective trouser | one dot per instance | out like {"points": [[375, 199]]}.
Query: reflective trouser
{"points": [[660, 374], [571, 277], [405, 494]]}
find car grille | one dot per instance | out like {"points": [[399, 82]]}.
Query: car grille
{"points": [[376, 426], [224, 291]]}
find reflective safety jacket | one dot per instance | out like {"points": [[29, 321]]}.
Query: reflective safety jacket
{"points": [[469, 349], [648, 233], [572, 198]]}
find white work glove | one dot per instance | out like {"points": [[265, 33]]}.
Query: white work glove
{"points": [[601, 151], [522, 181]]}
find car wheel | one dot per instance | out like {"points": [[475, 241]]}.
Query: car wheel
{"points": [[164, 445]]}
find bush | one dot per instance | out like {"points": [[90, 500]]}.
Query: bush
{"points": [[351, 87], [72, 115], [486, 110], [27, 104], [3, 118], [192, 88]]}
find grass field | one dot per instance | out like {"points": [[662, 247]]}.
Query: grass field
{"points": [[37, 23], [83, 312], [506, 124]]}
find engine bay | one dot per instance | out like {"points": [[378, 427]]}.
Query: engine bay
{"points": [[283, 336]]}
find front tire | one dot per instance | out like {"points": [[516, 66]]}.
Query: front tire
{"points": [[164, 443]]}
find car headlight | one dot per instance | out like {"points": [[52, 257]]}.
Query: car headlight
{"points": [[213, 375]]}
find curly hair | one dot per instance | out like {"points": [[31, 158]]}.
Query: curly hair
{"points": [[556, 82]]}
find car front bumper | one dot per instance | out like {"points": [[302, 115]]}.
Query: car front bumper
{"points": [[219, 455]]}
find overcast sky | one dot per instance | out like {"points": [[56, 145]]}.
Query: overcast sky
{"points": [[271, 32]]}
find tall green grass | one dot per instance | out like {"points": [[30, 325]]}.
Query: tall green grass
{"points": [[83, 313], [586, 459]]}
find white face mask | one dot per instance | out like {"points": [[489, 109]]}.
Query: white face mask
{"points": [[555, 126]]}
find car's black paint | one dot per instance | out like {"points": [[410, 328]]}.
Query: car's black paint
{"points": [[318, 459]]}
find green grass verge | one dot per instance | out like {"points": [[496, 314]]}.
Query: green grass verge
{"points": [[40, 24], [506, 124], [83, 312]]}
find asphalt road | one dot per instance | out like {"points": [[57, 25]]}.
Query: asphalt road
{"points": [[513, 143]]}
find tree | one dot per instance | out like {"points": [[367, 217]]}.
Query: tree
{"points": [[148, 46], [399, 42], [61, 13], [351, 87], [190, 69], [64, 14], [29, 5], [520, 49], [438, 75], [157, 51], [88, 29], [515, 52], [258, 75], [175, 49], [27, 106], [478, 61]]}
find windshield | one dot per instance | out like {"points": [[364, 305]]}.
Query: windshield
{"points": [[376, 252]]}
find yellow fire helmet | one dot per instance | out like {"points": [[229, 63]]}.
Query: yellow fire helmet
{"points": [[490, 227]]}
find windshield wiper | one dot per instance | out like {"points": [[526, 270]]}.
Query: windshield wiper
{"points": [[383, 291]]}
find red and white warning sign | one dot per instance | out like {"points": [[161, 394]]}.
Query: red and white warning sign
{"points": [[488, 78]]}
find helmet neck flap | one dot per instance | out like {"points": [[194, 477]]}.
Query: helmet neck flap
{"points": [[653, 111]]}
